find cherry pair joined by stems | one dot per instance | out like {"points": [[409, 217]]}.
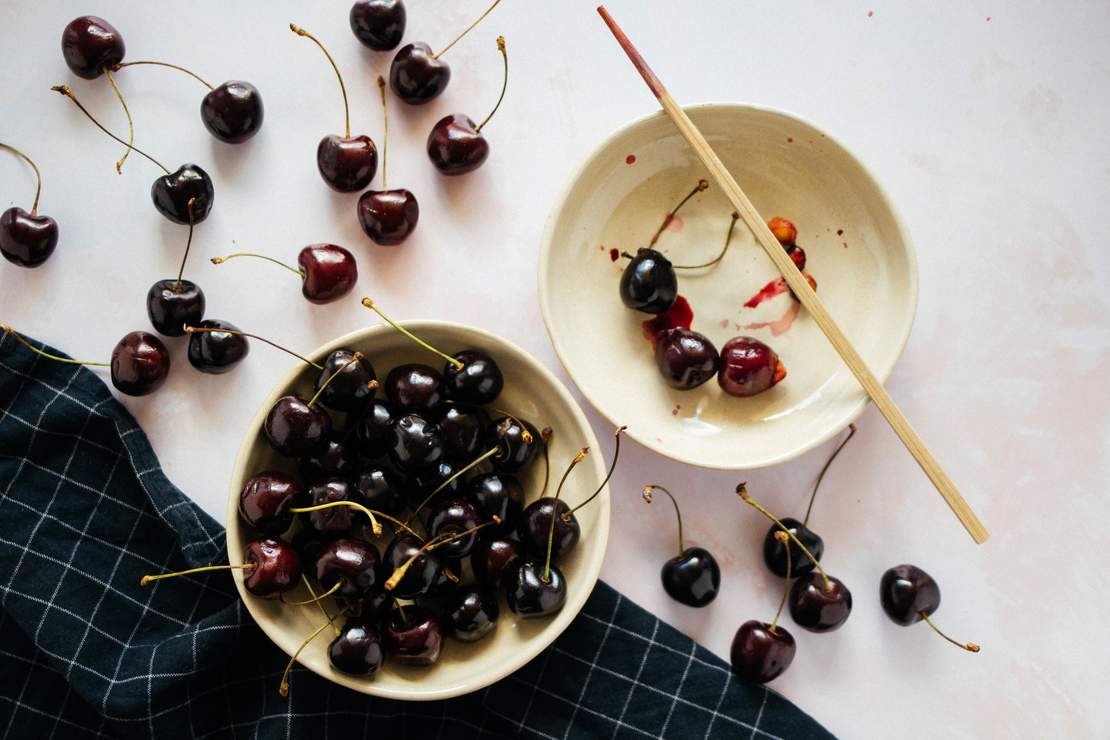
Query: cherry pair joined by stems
{"points": [[175, 302], [415, 566], [270, 566], [692, 577], [327, 271], [346, 163], [27, 239], [909, 595], [387, 216], [762, 652], [417, 75], [378, 24]]}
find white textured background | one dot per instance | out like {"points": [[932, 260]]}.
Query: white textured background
{"points": [[987, 122]]}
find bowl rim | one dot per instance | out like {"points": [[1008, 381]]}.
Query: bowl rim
{"points": [[590, 569], [882, 374]]}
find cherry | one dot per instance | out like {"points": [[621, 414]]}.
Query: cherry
{"points": [[464, 430], [90, 45], [233, 111], [173, 192], [335, 520], [417, 76], [686, 358], [548, 524], [265, 500], [517, 442], [748, 367], [353, 563], [454, 516], [354, 384], [374, 609], [534, 590], [414, 386], [784, 230], [27, 239], [173, 303], [500, 495], [327, 271], [495, 561], [378, 24], [413, 636], [214, 350], [336, 461], [692, 577], [761, 652], [422, 570], [909, 595], [415, 443], [472, 613], [140, 364], [357, 650], [434, 483], [380, 489], [819, 606], [374, 429], [648, 283], [271, 567], [473, 378], [387, 216], [295, 428], [456, 145], [346, 163]]}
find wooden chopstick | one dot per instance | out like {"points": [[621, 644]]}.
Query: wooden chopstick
{"points": [[806, 295]]}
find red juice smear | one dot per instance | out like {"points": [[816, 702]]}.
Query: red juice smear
{"points": [[780, 325], [630, 159], [678, 316], [614, 254], [840, 232], [776, 287]]}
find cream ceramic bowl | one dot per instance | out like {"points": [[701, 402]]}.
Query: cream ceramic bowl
{"points": [[532, 392], [858, 252]]}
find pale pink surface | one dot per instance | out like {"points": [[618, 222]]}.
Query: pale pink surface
{"points": [[994, 156]]}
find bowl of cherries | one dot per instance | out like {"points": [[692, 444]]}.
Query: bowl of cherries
{"points": [[415, 512], [707, 354]]}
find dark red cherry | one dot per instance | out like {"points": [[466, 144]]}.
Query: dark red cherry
{"points": [[748, 367], [451, 517], [906, 592], [374, 429], [89, 44], [415, 443], [535, 526], [456, 146], [265, 500], [649, 282], [329, 271], [494, 562], [414, 637], [357, 650], [378, 24], [798, 255], [309, 544], [25, 239], [336, 520], [216, 352], [784, 230], [759, 654], [420, 483], [443, 587], [140, 364], [774, 552], [380, 489], [686, 358], [171, 304], [500, 495], [529, 594], [472, 613], [373, 609], [347, 164], [693, 577], [416, 76], [425, 570], [232, 112], [518, 443], [296, 429], [414, 386], [171, 194], [478, 381], [336, 460], [816, 608], [277, 567], [388, 216], [350, 390], [354, 562], [464, 431]]}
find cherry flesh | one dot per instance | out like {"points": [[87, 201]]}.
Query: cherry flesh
{"points": [[494, 562], [774, 552], [336, 520], [500, 495], [686, 358], [414, 637], [464, 430], [140, 364], [379, 489], [472, 613], [761, 653], [693, 577], [516, 449], [329, 271], [336, 460], [296, 429], [171, 304], [378, 24], [817, 609], [415, 443], [355, 563], [388, 216], [276, 567], [171, 194], [748, 367], [906, 592], [414, 386], [649, 283], [529, 595], [216, 352], [451, 517], [416, 76], [27, 239], [456, 146], [347, 164], [233, 111], [426, 567], [351, 389], [89, 44], [374, 429], [265, 500], [357, 650], [535, 527], [478, 381]]}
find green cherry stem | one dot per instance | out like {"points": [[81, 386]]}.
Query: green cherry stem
{"points": [[545, 439], [356, 357], [369, 303], [130, 123], [188, 244], [476, 461], [647, 496], [432, 544], [320, 604], [504, 82], [194, 75], [68, 92], [15, 335], [145, 580], [546, 577], [702, 185], [315, 599], [385, 132], [742, 491], [566, 515], [971, 647], [38, 175], [782, 537], [821, 475], [342, 88], [468, 28], [719, 257], [375, 525], [222, 330], [233, 255]]}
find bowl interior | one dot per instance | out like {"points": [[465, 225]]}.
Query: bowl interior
{"points": [[531, 392], [857, 251]]}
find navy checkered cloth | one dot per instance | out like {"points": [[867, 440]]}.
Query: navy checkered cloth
{"points": [[85, 510]]}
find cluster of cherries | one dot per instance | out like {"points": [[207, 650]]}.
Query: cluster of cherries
{"points": [[439, 466], [745, 366], [417, 75]]}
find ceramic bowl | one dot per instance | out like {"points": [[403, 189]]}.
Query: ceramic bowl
{"points": [[531, 391], [858, 252]]}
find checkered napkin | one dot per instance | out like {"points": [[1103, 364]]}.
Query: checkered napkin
{"points": [[85, 510]]}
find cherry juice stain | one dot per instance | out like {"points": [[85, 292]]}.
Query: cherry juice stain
{"points": [[780, 325], [678, 316], [776, 287], [789, 139], [614, 254], [840, 232], [630, 159], [870, 13], [675, 410]]}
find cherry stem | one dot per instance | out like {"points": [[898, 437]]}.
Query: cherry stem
{"points": [[821, 475], [68, 92], [356, 357], [130, 123], [147, 579], [566, 515], [233, 255], [545, 437], [719, 257], [648, 490], [188, 243], [971, 647], [504, 82], [342, 88], [742, 490], [468, 28], [15, 335], [478, 460], [385, 132], [38, 175], [702, 185], [375, 526], [221, 330], [323, 609], [369, 303], [399, 573], [784, 539], [525, 435], [546, 577], [194, 75], [316, 599], [283, 688]]}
